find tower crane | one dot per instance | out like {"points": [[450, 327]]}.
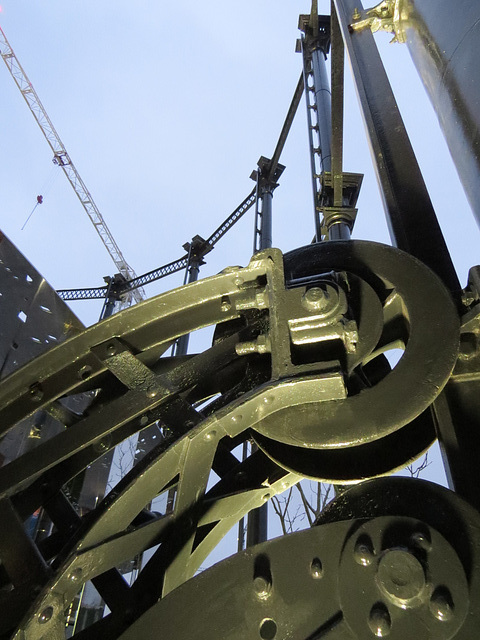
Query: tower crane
{"points": [[63, 160]]}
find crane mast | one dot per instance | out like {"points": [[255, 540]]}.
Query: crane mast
{"points": [[63, 160]]}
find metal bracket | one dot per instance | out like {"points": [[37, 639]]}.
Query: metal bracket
{"points": [[388, 16]]}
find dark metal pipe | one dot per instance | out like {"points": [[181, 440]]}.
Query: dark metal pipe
{"points": [[266, 232], [181, 347], [323, 101], [339, 231]]}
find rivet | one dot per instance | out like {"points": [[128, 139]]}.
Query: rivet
{"points": [[238, 281], [237, 418], [316, 568], [76, 574], [111, 350], [269, 399], [210, 435], [379, 621], [46, 615], [152, 392], [266, 497]]}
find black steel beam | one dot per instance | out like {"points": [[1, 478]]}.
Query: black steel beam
{"points": [[297, 96], [410, 215]]}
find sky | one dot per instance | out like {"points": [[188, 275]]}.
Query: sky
{"points": [[165, 109]]}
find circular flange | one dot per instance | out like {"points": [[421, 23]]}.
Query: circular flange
{"points": [[405, 590], [430, 318], [353, 464]]}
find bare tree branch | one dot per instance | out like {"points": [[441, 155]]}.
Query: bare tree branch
{"points": [[306, 504], [416, 471]]}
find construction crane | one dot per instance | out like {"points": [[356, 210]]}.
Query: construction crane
{"points": [[63, 160]]}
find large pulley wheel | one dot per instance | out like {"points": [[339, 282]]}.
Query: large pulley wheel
{"points": [[381, 426]]}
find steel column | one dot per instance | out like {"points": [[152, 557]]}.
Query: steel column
{"points": [[266, 176], [193, 270]]}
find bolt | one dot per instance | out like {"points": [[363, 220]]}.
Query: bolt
{"points": [[379, 621], [226, 305], [401, 578], [46, 615], [315, 299], [262, 587], [260, 345], [441, 604], [244, 348]]}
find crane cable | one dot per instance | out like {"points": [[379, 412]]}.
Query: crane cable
{"points": [[47, 186]]}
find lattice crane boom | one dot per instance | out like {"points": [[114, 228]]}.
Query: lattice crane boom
{"points": [[63, 160]]}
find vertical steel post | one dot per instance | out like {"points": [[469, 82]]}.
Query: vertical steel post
{"points": [[193, 269], [112, 296], [197, 249], [315, 45], [267, 182], [266, 177]]}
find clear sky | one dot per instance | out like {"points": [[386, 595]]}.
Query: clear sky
{"points": [[165, 109]]}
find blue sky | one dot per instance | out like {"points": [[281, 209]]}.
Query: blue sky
{"points": [[165, 109]]}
